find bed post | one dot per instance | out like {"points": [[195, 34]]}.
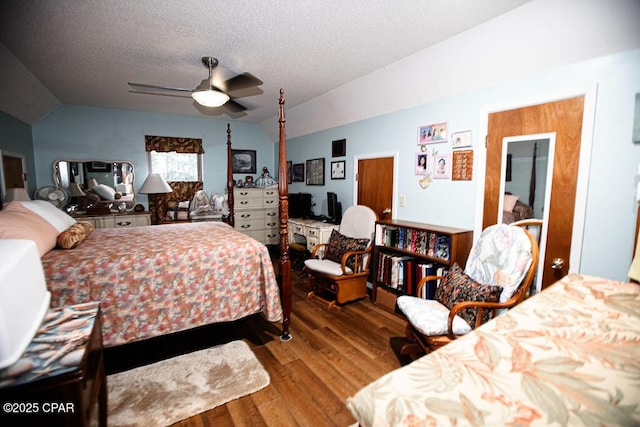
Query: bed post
{"points": [[283, 191], [230, 181]]}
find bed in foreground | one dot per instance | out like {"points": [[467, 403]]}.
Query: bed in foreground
{"points": [[567, 356], [160, 279]]}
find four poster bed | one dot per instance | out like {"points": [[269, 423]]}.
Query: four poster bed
{"points": [[155, 280]]}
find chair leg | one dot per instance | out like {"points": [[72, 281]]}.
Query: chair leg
{"points": [[412, 348]]}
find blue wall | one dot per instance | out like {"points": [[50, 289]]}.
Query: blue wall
{"points": [[611, 207], [15, 137], [84, 133]]}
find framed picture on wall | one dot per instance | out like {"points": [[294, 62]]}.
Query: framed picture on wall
{"points": [[315, 171], [297, 172], [339, 148], [243, 161], [99, 167], [461, 139], [337, 169]]}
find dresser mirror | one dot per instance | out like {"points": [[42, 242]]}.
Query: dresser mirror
{"points": [[97, 185]]}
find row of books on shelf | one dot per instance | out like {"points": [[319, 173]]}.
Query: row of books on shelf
{"points": [[404, 273], [422, 242]]}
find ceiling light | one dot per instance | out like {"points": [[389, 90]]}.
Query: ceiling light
{"points": [[207, 96]]}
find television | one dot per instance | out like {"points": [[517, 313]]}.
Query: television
{"points": [[334, 208]]}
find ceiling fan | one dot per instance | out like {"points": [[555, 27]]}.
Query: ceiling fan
{"points": [[206, 93]]}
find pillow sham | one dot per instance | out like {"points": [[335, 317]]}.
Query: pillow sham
{"points": [[20, 222], [59, 219], [456, 286], [339, 245]]}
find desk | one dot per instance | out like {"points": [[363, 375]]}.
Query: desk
{"points": [[313, 231], [60, 377]]}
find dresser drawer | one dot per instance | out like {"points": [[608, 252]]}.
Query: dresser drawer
{"points": [[248, 203], [250, 215], [270, 202], [249, 224], [272, 192]]}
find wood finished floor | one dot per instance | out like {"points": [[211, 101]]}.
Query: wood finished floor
{"points": [[331, 356]]}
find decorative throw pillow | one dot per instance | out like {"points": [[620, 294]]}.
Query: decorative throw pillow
{"points": [[456, 287], [87, 226], [339, 245], [72, 236]]}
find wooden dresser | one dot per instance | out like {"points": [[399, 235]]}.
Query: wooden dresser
{"points": [[256, 213], [124, 219]]}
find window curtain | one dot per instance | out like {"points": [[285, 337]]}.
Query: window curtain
{"points": [[164, 144]]}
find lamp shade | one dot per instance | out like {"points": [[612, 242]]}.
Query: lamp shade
{"points": [[155, 184], [17, 194], [207, 96]]}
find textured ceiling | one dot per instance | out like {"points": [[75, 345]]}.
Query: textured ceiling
{"points": [[84, 52]]}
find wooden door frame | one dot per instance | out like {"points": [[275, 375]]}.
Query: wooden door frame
{"points": [[377, 155], [584, 165]]}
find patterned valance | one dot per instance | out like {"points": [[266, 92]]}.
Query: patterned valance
{"points": [[166, 144]]}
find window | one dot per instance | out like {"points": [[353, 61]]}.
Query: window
{"points": [[175, 166]]}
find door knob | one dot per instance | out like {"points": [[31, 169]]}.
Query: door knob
{"points": [[557, 264], [386, 211]]}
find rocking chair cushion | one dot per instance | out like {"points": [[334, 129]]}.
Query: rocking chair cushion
{"points": [[325, 266], [456, 287], [430, 316], [340, 245]]}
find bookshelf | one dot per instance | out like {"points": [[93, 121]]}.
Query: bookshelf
{"points": [[406, 251]]}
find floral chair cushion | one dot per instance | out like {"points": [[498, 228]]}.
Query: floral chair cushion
{"points": [[339, 245], [456, 287], [430, 316], [500, 257]]}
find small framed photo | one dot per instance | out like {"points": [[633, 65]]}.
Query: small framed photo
{"points": [[421, 164], [315, 171], [243, 161], [289, 171], [297, 172], [337, 169], [442, 166], [461, 139], [339, 148]]}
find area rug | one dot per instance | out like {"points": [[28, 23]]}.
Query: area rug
{"points": [[171, 390]]}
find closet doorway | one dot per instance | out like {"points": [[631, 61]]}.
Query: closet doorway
{"points": [[564, 118]]}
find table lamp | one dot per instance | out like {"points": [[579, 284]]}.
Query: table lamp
{"points": [[154, 185]]}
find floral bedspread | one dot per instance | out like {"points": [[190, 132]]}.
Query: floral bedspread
{"points": [[156, 280], [567, 356]]}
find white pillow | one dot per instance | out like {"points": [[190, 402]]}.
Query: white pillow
{"points": [[54, 216], [105, 192], [509, 202]]}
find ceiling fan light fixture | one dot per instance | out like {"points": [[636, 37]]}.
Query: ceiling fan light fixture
{"points": [[209, 97]]}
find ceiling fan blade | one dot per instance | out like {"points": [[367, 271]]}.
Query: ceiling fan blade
{"points": [[241, 81], [174, 94], [147, 86], [234, 106]]}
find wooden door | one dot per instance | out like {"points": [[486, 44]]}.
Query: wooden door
{"points": [[375, 185], [14, 176], [565, 119]]}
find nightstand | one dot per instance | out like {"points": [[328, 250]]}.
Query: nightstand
{"points": [[60, 376]]}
